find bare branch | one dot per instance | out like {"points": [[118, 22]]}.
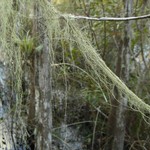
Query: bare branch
{"points": [[108, 18]]}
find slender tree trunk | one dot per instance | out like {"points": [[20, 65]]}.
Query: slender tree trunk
{"points": [[31, 116], [32, 102], [45, 110], [44, 137], [117, 119], [40, 112], [114, 101], [119, 135]]}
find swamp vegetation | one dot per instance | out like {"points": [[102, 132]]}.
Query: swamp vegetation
{"points": [[72, 83]]}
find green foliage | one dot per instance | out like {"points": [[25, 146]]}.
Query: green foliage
{"points": [[26, 44]]}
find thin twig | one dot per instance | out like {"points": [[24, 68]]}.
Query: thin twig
{"points": [[108, 18]]}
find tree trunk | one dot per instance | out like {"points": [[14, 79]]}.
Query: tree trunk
{"points": [[117, 120], [119, 135], [31, 115], [40, 111], [45, 110], [44, 137], [32, 103]]}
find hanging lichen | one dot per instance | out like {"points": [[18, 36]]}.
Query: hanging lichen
{"points": [[57, 31], [73, 34]]}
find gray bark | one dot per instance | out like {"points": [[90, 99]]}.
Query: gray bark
{"points": [[45, 110], [117, 120], [119, 134], [44, 60], [40, 111]]}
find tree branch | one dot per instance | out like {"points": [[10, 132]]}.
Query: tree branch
{"points": [[108, 18]]}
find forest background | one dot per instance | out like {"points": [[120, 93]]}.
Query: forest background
{"points": [[58, 81]]}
